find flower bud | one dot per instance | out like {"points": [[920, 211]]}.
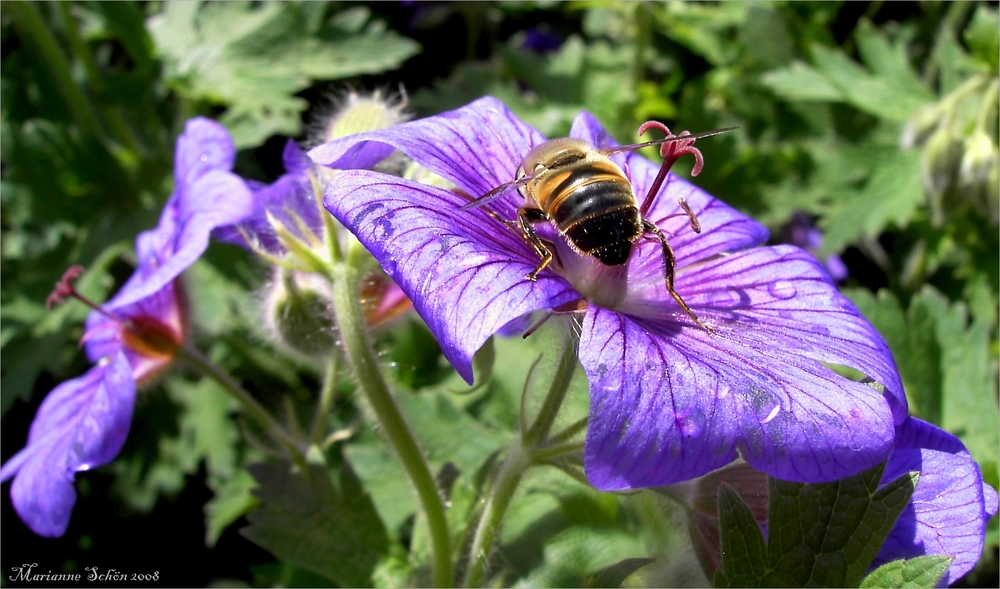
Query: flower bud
{"points": [[939, 169], [300, 314], [978, 173], [920, 126]]}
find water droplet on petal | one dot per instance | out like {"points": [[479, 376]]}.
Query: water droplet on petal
{"points": [[819, 329], [771, 414], [725, 299], [203, 157], [691, 423], [781, 289], [722, 390]]}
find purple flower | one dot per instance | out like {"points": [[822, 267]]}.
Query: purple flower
{"points": [[669, 400], [949, 509], [290, 197], [83, 423], [946, 515], [801, 232]]}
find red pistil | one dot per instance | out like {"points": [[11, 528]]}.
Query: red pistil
{"points": [[64, 288], [670, 152]]}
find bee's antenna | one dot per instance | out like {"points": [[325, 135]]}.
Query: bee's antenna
{"points": [[670, 139], [496, 193]]}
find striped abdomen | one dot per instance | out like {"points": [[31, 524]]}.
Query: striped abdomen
{"points": [[592, 204]]}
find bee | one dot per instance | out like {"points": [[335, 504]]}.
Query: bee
{"points": [[590, 201]]}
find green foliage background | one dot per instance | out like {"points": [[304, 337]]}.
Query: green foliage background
{"points": [[878, 121]]}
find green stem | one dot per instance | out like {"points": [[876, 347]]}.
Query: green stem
{"points": [[362, 358], [30, 24], [326, 396], [502, 492], [557, 392], [568, 433], [250, 405], [519, 459], [552, 452]]}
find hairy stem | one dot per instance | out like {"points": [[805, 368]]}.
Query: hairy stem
{"points": [[362, 358], [519, 459]]}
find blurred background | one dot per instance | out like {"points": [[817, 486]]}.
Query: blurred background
{"points": [[867, 135]]}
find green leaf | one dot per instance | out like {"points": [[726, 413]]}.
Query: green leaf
{"points": [[923, 571], [255, 57], [233, 499], [311, 522], [822, 535], [744, 552], [969, 369], [982, 37], [174, 435], [571, 555], [800, 81], [912, 338], [891, 195], [614, 575], [872, 94], [383, 477], [890, 63], [826, 535]]}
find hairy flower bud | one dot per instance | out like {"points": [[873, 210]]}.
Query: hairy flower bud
{"points": [[939, 169], [978, 173], [920, 126], [300, 314]]}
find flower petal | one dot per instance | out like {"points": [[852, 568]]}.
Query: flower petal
{"points": [[204, 146], [214, 200], [948, 511], [477, 148], [464, 271], [780, 300], [670, 404], [82, 424]]}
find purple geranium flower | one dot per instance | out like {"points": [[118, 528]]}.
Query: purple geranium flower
{"points": [[946, 515], [83, 422], [669, 400], [949, 509]]}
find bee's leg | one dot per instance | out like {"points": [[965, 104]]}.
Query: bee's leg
{"points": [[526, 217], [669, 264]]}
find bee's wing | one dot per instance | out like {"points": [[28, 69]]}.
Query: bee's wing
{"points": [[496, 193], [670, 139]]}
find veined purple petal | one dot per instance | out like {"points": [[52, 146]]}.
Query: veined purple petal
{"points": [[477, 147], [214, 200], [204, 146], [82, 424], [948, 511], [464, 271], [669, 405], [781, 298]]}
